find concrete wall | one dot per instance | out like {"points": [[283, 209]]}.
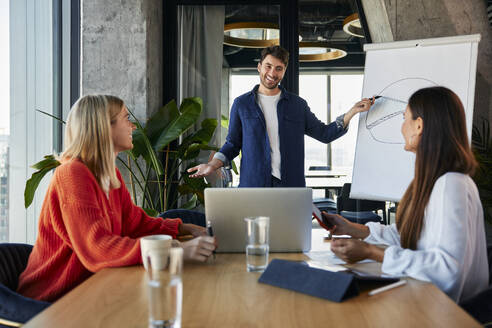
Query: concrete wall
{"points": [[419, 19], [122, 55], [122, 52]]}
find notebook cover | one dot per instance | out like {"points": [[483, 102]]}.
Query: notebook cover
{"points": [[299, 277]]}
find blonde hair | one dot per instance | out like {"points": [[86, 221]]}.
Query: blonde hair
{"points": [[88, 136]]}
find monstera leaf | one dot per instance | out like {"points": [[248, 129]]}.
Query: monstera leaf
{"points": [[190, 109], [47, 164]]}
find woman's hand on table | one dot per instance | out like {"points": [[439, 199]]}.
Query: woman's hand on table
{"points": [[199, 249], [354, 250]]}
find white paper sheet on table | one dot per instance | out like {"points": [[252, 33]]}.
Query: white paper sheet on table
{"points": [[327, 257]]}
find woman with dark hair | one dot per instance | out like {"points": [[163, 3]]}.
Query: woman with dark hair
{"points": [[439, 232]]}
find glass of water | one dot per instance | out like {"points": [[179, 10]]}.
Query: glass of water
{"points": [[257, 237], [164, 268]]}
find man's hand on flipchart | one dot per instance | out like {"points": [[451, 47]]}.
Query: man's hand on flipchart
{"points": [[363, 105]]}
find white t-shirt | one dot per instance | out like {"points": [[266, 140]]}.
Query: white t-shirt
{"points": [[451, 251], [268, 105]]}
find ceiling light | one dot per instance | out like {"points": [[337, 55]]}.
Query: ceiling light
{"points": [[251, 34], [319, 51], [351, 25]]}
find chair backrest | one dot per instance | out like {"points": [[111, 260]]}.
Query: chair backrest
{"points": [[320, 168], [345, 203], [489, 254], [13, 260]]}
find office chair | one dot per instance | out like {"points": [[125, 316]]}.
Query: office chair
{"points": [[15, 309], [359, 210], [320, 168], [480, 307], [187, 216], [325, 204]]}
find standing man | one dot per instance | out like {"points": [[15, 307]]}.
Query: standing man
{"points": [[268, 125]]}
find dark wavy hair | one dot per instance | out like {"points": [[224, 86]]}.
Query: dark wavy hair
{"points": [[443, 147], [277, 52]]}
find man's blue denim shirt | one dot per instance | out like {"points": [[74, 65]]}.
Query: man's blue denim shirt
{"points": [[248, 134]]}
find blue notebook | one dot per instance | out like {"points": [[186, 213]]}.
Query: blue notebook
{"points": [[299, 277]]}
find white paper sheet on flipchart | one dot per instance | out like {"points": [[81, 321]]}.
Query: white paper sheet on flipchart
{"points": [[382, 171]]}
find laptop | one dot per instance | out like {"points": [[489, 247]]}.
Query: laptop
{"points": [[289, 209]]}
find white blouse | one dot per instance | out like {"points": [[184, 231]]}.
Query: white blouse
{"points": [[451, 251]]}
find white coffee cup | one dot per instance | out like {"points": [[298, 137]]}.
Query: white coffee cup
{"points": [[161, 243]]}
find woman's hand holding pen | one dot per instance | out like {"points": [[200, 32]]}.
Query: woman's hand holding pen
{"points": [[353, 250], [199, 249]]}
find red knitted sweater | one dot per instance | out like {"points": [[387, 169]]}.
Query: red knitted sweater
{"points": [[81, 231]]}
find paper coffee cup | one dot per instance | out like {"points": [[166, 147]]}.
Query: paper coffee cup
{"points": [[156, 246]]}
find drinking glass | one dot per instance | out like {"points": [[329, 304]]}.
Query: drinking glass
{"points": [[164, 268], [257, 237]]}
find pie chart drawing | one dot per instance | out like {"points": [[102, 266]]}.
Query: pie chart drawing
{"points": [[384, 118]]}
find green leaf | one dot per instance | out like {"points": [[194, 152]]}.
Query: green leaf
{"points": [[191, 109], [151, 212], [33, 183], [53, 116], [191, 204], [194, 185], [224, 122], [194, 150], [144, 147], [185, 189], [139, 146], [205, 134], [234, 167], [160, 120], [49, 161]]}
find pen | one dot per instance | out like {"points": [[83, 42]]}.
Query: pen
{"points": [[377, 97], [341, 237], [385, 288], [210, 232]]}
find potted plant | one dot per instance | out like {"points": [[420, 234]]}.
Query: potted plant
{"points": [[154, 166], [482, 148]]}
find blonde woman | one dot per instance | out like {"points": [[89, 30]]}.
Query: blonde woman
{"points": [[88, 221]]}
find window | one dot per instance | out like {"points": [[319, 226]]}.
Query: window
{"points": [[4, 116], [37, 56], [345, 91], [329, 96]]}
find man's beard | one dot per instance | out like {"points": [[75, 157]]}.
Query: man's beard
{"points": [[265, 83]]}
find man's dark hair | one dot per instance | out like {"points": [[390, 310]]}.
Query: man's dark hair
{"points": [[277, 52]]}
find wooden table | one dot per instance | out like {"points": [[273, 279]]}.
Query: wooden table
{"points": [[223, 294], [325, 174]]}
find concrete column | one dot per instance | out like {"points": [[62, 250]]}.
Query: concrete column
{"points": [[412, 19], [378, 22], [122, 55], [122, 52]]}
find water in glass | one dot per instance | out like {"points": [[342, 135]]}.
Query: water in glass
{"points": [[256, 257], [165, 299]]}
